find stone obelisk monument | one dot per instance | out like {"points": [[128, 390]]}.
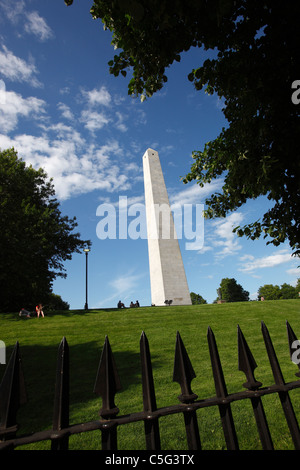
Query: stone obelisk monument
{"points": [[167, 274]]}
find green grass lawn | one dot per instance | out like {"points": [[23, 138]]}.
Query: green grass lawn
{"points": [[85, 332]]}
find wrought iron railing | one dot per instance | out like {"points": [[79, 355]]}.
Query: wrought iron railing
{"points": [[107, 384]]}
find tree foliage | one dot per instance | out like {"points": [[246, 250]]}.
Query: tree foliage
{"points": [[275, 292], [55, 302], [35, 238], [257, 62], [231, 291], [197, 299]]}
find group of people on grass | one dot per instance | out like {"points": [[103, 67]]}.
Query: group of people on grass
{"points": [[121, 305], [38, 310]]}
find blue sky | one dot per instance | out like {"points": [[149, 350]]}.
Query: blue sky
{"points": [[62, 110]]}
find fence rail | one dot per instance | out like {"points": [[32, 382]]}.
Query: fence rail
{"points": [[107, 384]]}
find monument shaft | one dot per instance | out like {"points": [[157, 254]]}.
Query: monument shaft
{"points": [[167, 274]]}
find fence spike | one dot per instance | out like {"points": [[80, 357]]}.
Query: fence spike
{"points": [[12, 392], [183, 372], [149, 401], [293, 343], [277, 374], [61, 397], [283, 395], [107, 382], [221, 391], [220, 384], [246, 362]]}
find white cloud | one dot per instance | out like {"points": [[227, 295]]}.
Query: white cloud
{"points": [[282, 256], [33, 23], [167, 149], [205, 249], [65, 90], [123, 203], [120, 122], [15, 13], [124, 284], [62, 131], [16, 69], [2, 92], [254, 295], [14, 107], [75, 166], [93, 121], [194, 194], [36, 25], [65, 111], [224, 238], [140, 117], [246, 258], [98, 96], [124, 288], [294, 272], [76, 163]]}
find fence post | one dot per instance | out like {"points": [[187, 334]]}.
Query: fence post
{"points": [[183, 374], [283, 395], [149, 401], [106, 385], [61, 397], [12, 395], [221, 392], [247, 364]]}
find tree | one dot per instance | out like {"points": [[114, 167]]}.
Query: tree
{"points": [[255, 71], [55, 302], [271, 292], [197, 299], [288, 292], [297, 288], [231, 291], [35, 238]]}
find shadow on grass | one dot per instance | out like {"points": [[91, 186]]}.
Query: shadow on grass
{"points": [[14, 316], [39, 366]]}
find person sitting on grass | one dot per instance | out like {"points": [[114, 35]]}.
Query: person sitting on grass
{"points": [[24, 313]]}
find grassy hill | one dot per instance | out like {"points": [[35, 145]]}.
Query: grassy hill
{"points": [[85, 333]]}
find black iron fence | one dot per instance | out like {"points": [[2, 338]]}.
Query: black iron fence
{"points": [[13, 394]]}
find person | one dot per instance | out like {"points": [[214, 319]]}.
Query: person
{"points": [[137, 304], [24, 313], [120, 304], [39, 310], [131, 304]]}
